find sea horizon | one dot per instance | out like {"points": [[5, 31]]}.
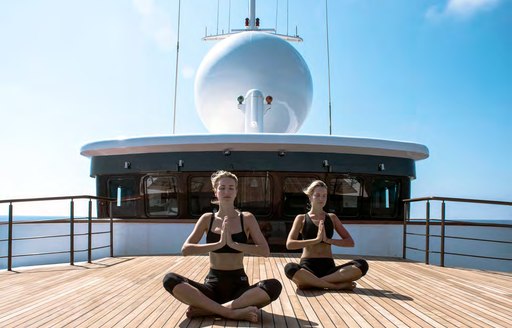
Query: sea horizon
{"points": [[17, 218]]}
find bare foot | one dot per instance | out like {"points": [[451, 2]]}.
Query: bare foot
{"points": [[303, 287], [194, 312], [345, 285], [249, 313]]}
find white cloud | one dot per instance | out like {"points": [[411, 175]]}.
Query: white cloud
{"points": [[461, 8], [155, 23]]}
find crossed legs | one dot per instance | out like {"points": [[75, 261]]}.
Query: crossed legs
{"points": [[201, 298], [339, 278], [201, 305]]}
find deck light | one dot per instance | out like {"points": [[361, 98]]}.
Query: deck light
{"points": [[127, 165], [240, 99], [281, 153], [381, 167], [325, 163], [227, 152], [269, 99]]}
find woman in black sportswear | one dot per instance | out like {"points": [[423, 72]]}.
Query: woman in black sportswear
{"points": [[226, 291], [317, 268]]}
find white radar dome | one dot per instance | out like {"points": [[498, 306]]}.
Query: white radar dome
{"points": [[253, 60]]}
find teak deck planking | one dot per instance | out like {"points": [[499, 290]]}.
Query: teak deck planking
{"points": [[128, 292]]}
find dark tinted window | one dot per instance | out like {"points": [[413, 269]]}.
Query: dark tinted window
{"points": [[125, 192], [385, 195], [162, 195], [200, 195], [345, 196], [295, 200], [254, 194]]}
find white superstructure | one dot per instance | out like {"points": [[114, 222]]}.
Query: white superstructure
{"points": [[257, 142]]}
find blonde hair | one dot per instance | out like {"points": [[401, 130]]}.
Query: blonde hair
{"points": [[222, 174], [311, 188]]}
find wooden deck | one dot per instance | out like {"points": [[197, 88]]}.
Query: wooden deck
{"points": [[127, 292]]}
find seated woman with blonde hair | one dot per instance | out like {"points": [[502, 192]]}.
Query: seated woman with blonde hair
{"points": [[226, 291], [317, 268]]}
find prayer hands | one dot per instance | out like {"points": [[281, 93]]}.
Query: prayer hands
{"points": [[225, 234], [321, 237]]}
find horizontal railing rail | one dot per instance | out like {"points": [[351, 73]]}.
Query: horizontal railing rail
{"points": [[443, 222], [39, 199], [71, 234], [460, 200]]}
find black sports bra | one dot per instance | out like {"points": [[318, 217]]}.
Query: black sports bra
{"points": [[310, 230], [240, 237]]}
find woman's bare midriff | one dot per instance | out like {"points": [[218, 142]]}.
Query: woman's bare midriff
{"points": [[226, 261], [317, 251]]}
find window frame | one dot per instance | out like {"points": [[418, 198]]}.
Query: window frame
{"points": [[128, 207], [385, 213], [147, 196], [270, 189], [334, 208], [299, 195]]}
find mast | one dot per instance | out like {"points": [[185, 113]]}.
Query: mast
{"points": [[252, 24], [176, 74], [252, 15]]}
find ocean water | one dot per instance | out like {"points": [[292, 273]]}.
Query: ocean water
{"points": [[32, 239], [488, 221], [20, 218]]}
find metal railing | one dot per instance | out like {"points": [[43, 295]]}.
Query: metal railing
{"points": [[443, 222], [72, 234]]}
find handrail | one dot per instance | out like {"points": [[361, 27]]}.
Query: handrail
{"points": [[71, 234], [17, 200], [442, 222], [460, 200], [37, 199]]}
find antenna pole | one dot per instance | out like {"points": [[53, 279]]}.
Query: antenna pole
{"points": [[287, 16], [176, 75], [277, 9], [252, 15], [229, 17], [328, 66], [218, 4]]}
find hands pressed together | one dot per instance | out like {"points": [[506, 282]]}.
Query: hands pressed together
{"points": [[321, 236], [225, 234]]}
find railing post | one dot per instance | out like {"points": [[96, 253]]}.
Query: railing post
{"points": [[72, 232], [89, 233], [111, 230], [9, 240], [406, 218], [443, 216], [427, 233]]}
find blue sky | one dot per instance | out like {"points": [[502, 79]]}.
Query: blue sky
{"points": [[438, 73]]}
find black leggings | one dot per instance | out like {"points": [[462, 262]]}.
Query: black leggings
{"points": [[322, 267], [223, 286]]}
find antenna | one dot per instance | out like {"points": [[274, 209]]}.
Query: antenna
{"points": [[176, 74], [277, 8], [229, 17], [252, 25], [287, 15], [328, 66], [252, 14], [218, 5]]}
